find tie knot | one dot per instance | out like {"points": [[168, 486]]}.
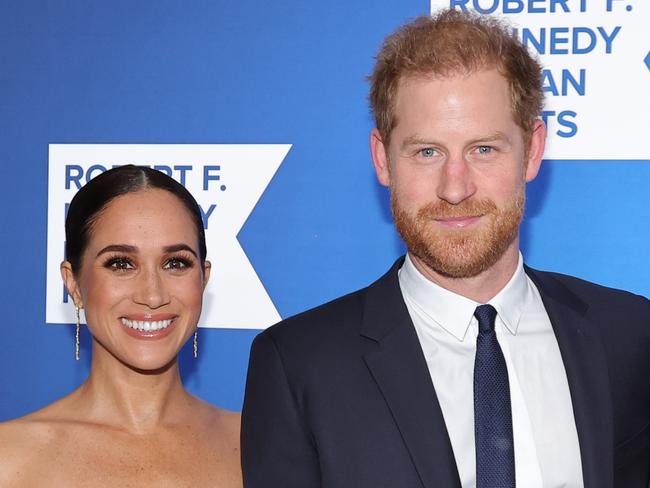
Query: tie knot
{"points": [[485, 314]]}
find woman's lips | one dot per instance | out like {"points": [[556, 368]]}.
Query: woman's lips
{"points": [[148, 326]]}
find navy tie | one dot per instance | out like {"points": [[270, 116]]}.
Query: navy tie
{"points": [[495, 456]]}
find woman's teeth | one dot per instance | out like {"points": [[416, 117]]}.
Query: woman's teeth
{"points": [[146, 326]]}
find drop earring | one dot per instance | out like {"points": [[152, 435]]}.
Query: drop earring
{"points": [[196, 343], [76, 340]]}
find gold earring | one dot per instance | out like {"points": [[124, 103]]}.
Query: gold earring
{"points": [[76, 340], [196, 343]]}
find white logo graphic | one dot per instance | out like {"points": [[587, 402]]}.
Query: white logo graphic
{"points": [[226, 180], [596, 58]]}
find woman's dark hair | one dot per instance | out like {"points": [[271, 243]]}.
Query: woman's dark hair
{"points": [[89, 202]]}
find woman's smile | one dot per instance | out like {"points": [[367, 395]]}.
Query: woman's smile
{"points": [[148, 327]]}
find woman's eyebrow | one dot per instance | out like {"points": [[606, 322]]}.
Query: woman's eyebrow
{"points": [[179, 247], [126, 248], [118, 248]]}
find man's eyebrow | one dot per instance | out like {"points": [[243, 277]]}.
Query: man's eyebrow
{"points": [[179, 247], [497, 136], [125, 248], [416, 141], [419, 141]]}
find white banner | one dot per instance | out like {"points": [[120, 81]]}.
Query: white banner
{"points": [[596, 58], [226, 180]]}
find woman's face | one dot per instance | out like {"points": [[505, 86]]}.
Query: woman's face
{"points": [[141, 281]]}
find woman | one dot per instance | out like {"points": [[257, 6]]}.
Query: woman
{"points": [[136, 265]]}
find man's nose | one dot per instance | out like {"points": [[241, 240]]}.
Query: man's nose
{"points": [[455, 183]]}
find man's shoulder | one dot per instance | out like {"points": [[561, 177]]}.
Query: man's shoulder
{"points": [[333, 317], [591, 295], [311, 343], [341, 316]]}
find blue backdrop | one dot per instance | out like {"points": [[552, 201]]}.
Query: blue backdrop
{"points": [[248, 72]]}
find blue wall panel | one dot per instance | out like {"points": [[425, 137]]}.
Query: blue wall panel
{"points": [[248, 73]]}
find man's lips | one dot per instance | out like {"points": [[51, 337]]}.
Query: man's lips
{"points": [[458, 222]]}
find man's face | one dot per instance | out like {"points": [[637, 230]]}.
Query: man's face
{"points": [[457, 167]]}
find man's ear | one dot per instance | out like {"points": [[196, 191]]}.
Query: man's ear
{"points": [[380, 159], [71, 284], [535, 150], [207, 267]]}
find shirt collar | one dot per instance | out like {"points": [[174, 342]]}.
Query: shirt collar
{"points": [[453, 312], [512, 300]]}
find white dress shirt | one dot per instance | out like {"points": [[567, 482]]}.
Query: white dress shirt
{"points": [[547, 454]]}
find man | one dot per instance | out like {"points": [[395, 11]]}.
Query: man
{"points": [[460, 367]]}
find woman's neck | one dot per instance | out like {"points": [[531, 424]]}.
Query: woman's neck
{"points": [[132, 400]]}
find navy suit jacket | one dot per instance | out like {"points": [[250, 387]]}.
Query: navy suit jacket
{"points": [[340, 396]]}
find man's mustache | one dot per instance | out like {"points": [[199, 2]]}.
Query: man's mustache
{"points": [[466, 208]]}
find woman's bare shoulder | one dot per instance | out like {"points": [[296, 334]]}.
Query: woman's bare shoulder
{"points": [[34, 428], [220, 420], [221, 428], [25, 441]]}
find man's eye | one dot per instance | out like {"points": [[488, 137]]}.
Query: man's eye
{"points": [[428, 152], [484, 149]]}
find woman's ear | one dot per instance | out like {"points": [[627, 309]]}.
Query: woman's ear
{"points": [[207, 267], [71, 283]]}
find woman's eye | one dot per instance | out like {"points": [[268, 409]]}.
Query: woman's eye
{"points": [[120, 264], [176, 263], [428, 152]]}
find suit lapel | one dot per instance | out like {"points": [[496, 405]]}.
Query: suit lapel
{"points": [[399, 368], [584, 361]]}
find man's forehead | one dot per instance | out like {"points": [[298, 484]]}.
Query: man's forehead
{"points": [[410, 83], [410, 78]]}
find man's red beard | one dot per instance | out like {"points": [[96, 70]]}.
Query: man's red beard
{"points": [[459, 253]]}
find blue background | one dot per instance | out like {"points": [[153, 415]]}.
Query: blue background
{"points": [[246, 72]]}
